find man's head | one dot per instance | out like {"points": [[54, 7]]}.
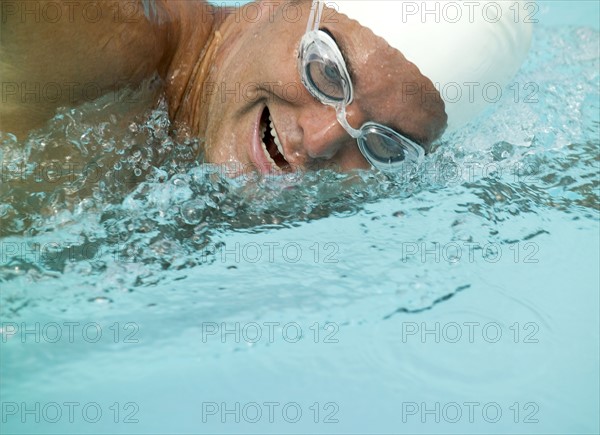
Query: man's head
{"points": [[254, 81], [254, 111]]}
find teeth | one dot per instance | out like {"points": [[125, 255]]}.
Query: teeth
{"points": [[274, 134], [263, 128]]}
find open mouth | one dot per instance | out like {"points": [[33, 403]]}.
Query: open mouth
{"points": [[271, 144]]}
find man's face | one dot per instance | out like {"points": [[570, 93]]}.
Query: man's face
{"points": [[255, 85]]}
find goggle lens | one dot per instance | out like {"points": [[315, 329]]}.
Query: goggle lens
{"points": [[323, 75], [387, 150], [325, 78]]}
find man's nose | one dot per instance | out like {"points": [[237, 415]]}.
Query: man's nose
{"points": [[323, 135]]}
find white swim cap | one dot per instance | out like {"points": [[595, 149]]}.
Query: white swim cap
{"points": [[469, 50]]}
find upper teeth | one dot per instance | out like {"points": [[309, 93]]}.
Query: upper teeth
{"points": [[277, 141], [263, 128], [274, 134]]}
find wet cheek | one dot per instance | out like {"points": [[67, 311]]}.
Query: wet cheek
{"points": [[216, 143], [352, 158], [359, 163]]}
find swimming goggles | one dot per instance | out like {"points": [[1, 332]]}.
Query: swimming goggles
{"points": [[324, 74]]}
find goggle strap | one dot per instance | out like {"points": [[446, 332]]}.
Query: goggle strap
{"points": [[314, 19]]}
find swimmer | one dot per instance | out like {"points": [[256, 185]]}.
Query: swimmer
{"points": [[272, 85]]}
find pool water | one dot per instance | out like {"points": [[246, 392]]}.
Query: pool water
{"points": [[163, 296]]}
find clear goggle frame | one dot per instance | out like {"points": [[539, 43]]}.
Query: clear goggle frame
{"points": [[324, 73]]}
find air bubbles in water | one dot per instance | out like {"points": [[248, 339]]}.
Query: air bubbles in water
{"points": [[193, 211], [100, 300]]}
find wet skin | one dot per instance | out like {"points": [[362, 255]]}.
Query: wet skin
{"points": [[224, 75]]}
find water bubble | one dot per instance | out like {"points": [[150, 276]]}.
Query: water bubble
{"points": [[108, 146], [192, 211], [100, 300], [180, 180], [5, 209], [158, 175], [228, 210]]}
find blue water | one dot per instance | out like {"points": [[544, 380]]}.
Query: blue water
{"points": [[462, 298]]}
